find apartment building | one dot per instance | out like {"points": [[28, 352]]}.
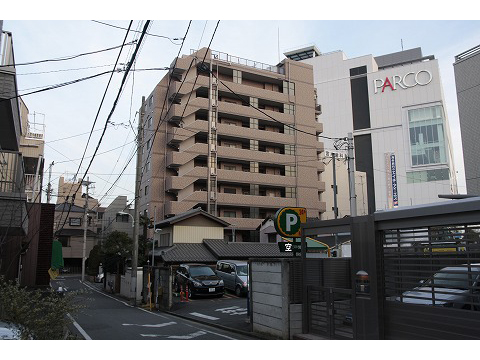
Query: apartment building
{"points": [[394, 106], [467, 82], [32, 144], [113, 221], [236, 138]]}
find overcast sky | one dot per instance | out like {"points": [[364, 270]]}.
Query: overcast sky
{"points": [[71, 110]]}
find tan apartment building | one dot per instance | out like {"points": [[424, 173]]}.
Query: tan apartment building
{"points": [[239, 139]]}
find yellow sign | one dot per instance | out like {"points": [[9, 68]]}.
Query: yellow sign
{"points": [[53, 273]]}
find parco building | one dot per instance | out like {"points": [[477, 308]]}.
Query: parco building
{"points": [[395, 108]]}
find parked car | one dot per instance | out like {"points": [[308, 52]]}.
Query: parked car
{"points": [[9, 331], [453, 287], [99, 278], [199, 279], [234, 273]]}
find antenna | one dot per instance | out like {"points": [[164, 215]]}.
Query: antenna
{"points": [[278, 37], [401, 42]]}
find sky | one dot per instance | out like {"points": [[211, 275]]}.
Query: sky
{"points": [[70, 111]]}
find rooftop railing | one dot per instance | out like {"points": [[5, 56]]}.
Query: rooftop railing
{"points": [[468, 53], [218, 55]]}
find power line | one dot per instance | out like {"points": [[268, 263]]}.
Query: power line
{"points": [[61, 70], [155, 35], [71, 56]]}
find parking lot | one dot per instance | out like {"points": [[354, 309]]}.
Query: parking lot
{"points": [[228, 311]]}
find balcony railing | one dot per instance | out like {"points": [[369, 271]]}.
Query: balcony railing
{"points": [[11, 172]]}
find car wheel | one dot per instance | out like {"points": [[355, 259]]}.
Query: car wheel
{"points": [[238, 291]]}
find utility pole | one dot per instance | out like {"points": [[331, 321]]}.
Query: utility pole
{"points": [[133, 283], [334, 186], [49, 186], [85, 223], [351, 176]]}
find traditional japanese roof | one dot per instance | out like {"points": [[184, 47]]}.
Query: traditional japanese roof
{"points": [[74, 232], [182, 253], [243, 250], [188, 214]]}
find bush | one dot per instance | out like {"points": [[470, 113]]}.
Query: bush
{"points": [[39, 314]]}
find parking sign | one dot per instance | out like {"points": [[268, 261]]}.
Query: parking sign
{"points": [[288, 221]]}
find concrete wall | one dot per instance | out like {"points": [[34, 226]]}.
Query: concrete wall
{"points": [[125, 283], [269, 298]]}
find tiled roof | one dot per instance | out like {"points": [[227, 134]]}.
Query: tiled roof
{"points": [[239, 250], [187, 215], [73, 208], [181, 253]]}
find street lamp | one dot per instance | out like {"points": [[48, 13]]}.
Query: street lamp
{"points": [[125, 213]]}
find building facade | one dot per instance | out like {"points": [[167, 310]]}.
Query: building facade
{"points": [[113, 221], [236, 138], [467, 81], [395, 108]]}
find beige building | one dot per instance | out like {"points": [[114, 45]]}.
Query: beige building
{"points": [[66, 188], [238, 139]]}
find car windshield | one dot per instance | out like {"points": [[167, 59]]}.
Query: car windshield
{"points": [[242, 270], [201, 270], [457, 280]]}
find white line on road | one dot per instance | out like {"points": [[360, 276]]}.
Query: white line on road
{"points": [[178, 337], [239, 313], [204, 316], [120, 301], [229, 308], [152, 325], [79, 328]]}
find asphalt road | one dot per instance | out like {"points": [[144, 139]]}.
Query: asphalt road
{"points": [[106, 317]]}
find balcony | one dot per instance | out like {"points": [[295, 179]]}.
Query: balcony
{"points": [[221, 56], [32, 188], [262, 135], [255, 178], [12, 194], [176, 159], [174, 116], [254, 201], [248, 111], [173, 183], [253, 155]]}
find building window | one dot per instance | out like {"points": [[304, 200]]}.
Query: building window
{"points": [[254, 102], [229, 213], [289, 109], [146, 190], [288, 130], [272, 238], [149, 122], [229, 167], [427, 140], [75, 221], [150, 101], [290, 192], [229, 190], [289, 149], [253, 123], [428, 175], [254, 189], [64, 240], [237, 76], [290, 170], [254, 167], [289, 87], [254, 145], [122, 218], [148, 143]]}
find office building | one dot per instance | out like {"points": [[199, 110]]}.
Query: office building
{"points": [[395, 108]]}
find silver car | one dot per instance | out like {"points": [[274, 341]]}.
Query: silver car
{"points": [[234, 274], [453, 286]]}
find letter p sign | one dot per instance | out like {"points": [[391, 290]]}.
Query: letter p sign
{"points": [[289, 220]]}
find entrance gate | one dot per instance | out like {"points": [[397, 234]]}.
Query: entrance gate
{"points": [[330, 312]]}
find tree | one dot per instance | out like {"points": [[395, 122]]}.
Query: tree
{"points": [[94, 260], [117, 247]]}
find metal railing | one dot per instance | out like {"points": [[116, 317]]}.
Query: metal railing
{"points": [[11, 172], [467, 53], [218, 55]]}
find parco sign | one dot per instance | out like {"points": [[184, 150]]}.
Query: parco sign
{"points": [[410, 79]]}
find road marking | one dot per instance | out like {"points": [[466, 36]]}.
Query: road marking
{"points": [[239, 313], [152, 325], [204, 316], [228, 308], [178, 337], [79, 328]]}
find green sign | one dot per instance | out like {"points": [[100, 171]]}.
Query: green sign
{"points": [[288, 221]]}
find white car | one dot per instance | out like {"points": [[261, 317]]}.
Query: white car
{"points": [[99, 278]]}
